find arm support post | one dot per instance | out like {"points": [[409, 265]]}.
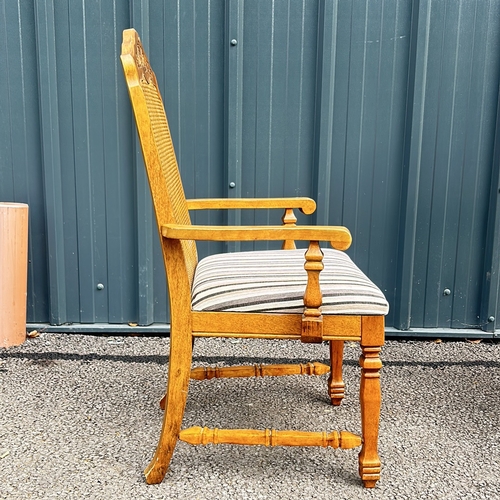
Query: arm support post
{"points": [[312, 319], [289, 220]]}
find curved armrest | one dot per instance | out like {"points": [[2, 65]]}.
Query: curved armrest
{"points": [[338, 236], [306, 205]]}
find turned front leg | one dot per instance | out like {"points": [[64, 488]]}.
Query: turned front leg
{"points": [[370, 395], [370, 398]]}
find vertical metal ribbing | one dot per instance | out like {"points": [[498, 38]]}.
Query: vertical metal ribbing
{"points": [[233, 95], [491, 275], [412, 156], [86, 126], [139, 16], [119, 186], [51, 161], [327, 33], [20, 140], [490, 287]]}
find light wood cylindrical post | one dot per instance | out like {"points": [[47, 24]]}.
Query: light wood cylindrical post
{"points": [[13, 273]]}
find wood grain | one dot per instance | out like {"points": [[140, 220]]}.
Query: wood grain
{"points": [[272, 326], [338, 236], [370, 398], [312, 319], [289, 220], [306, 205], [336, 386], [208, 372], [269, 437]]}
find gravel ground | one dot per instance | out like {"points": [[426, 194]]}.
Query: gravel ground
{"points": [[79, 418]]}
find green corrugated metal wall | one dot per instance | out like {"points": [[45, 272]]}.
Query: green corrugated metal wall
{"points": [[384, 111]]}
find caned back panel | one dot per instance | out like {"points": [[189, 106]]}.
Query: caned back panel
{"points": [[159, 155]]}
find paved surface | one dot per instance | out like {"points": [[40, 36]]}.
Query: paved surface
{"points": [[79, 418]]}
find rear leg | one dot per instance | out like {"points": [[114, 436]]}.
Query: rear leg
{"points": [[174, 403], [336, 387], [163, 400]]}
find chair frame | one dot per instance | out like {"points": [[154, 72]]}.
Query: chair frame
{"points": [[178, 237]]}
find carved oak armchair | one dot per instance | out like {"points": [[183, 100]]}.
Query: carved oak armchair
{"points": [[274, 294]]}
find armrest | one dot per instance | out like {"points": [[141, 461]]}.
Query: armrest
{"points": [[338, 236], [306, 205]]}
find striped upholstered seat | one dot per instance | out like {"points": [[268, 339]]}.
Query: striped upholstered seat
{"points": [[274, 281]]}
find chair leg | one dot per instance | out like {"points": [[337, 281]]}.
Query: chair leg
{"points": [[336, 387], [174, 402], [163, 400], [370, 397]]}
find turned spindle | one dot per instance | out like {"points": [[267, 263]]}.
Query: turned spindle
{"points": [[312, 319], [209, 372], [269, 437], [289, 220]]}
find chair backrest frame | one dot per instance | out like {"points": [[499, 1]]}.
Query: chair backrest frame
{"points": [[167, 192]]}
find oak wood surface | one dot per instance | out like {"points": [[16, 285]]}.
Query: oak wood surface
{"points": [[312, 319], [336, 386], [208, 372], [372, 332], [289, 220], [338, 236], [270, 437], [306, 205], [283, 326]]}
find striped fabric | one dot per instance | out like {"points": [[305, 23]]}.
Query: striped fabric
{"points": [[274, 281]]}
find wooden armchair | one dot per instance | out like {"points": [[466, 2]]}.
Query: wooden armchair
{"points": [[275, 294]]}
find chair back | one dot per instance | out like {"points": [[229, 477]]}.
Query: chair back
{"points": [[158, 150]]}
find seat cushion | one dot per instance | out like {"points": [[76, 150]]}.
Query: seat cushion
{"points": [[274, 281]]}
